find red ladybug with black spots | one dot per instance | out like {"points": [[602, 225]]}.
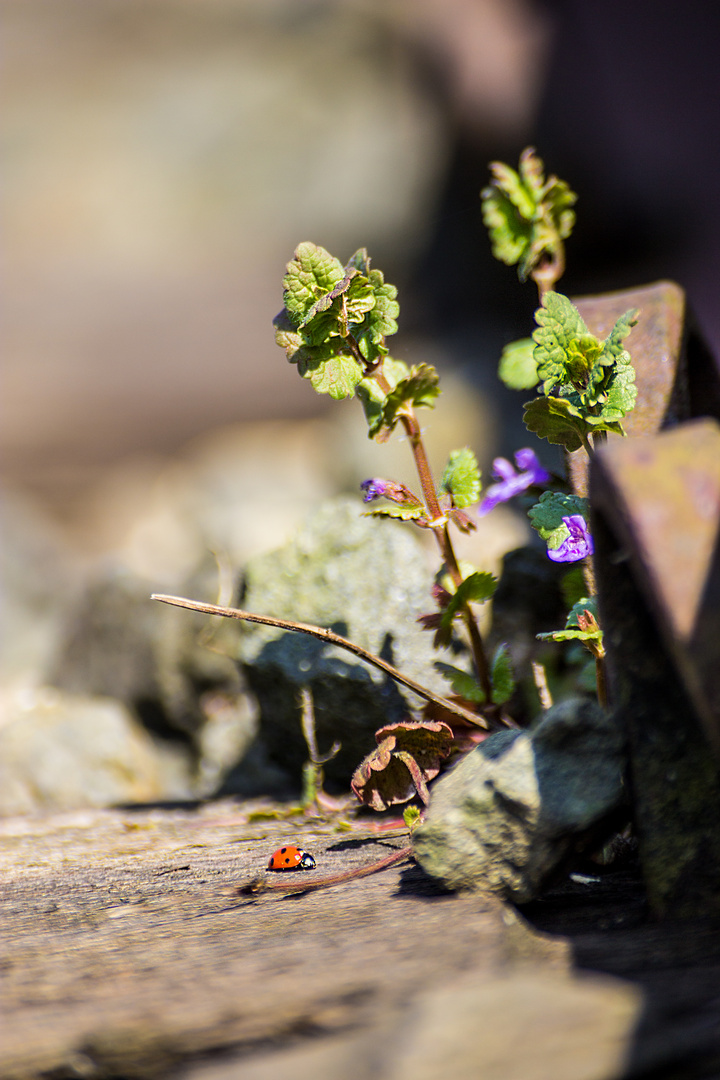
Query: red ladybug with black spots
{"points": [[291, 858]]}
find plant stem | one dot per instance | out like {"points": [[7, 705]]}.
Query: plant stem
{"points": [[601, 681], [442, 535], [334, 639]]}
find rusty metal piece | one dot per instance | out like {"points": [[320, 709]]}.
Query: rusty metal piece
{"points": [[656, 524], [676, 376]]}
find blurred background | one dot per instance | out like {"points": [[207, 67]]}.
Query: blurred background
{"points": [[164, 157]]}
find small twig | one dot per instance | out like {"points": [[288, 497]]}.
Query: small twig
{"points": [[541, 685], [307, 714], [260, 884], [333, 639]]}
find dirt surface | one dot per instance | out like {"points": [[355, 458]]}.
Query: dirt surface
{"points": [[127, 952]]}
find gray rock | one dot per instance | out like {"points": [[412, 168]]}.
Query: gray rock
{"points": [[59, 751], [170, 668], [367, 580], [507, 814]]}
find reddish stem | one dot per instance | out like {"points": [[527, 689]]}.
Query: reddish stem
{"points": [[442, 536]]}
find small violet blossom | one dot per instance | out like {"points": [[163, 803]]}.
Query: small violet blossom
{"points": [[374, 489], [577, 545], [388, 489], [512, 482]]}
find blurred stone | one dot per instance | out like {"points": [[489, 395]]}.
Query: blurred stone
{"points": [[506, 815], [59, 751], [39, 577], [675, 374], [367, 580], [175, 675], [525, 1025], [656, 523]]}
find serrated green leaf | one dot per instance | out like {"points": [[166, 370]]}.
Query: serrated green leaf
{"points": [[560, 329], [337, 376], [595, 377], [510, 233], [532, 174], [462, 683], [621, 394], [380, 321], [546, 516], [373, 398], [568, 635], [614, 341], [501, 676], [561, 198], [556, 420], [420, 389], [475, 588], [462, 478], [518, 367], [286, 336], [326, 300], [574, 631], [526, 215], [312, 273], [523, 196], [393, 510], [360, 261]]}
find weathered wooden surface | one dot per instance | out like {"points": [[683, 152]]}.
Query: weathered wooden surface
{"points": [[127, 953]]}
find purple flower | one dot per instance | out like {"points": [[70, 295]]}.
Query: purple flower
{"points": [[577, 545], [374, 489], [512, 482]]}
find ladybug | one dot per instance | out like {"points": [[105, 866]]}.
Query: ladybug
{"points": [[291, 858]]}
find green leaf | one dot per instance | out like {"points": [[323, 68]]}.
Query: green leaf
{"points": [[338, 376], [510, 232], [556, 420], [527, 216], [546, 516], [393, 510], [614, 341], [420, 389], [597, 378], [373, 398], [360, 261], [477, 587], [501, 676], [518, 368], [312, 273], [568, 635], [380, 321], [581, 624], [462, 478], [462, 683], [560, 328]]}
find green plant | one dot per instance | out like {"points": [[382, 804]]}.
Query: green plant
{"points": [[334, 327]]}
